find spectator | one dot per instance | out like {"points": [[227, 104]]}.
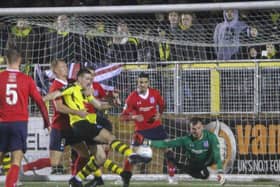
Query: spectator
{"points": [[270, 52], [186, 25], [147, 49], [174, 28], [227, 35], [123, 47], [3, 40], [192, 32], [28, 40], [275, 22], [254, 52], [61, 41], [97, 43], [160, 21], [165, 50]]}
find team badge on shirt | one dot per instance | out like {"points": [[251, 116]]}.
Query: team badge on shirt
{"points": [[95, 93], [152, 100], [125, 107], [206, 144]]}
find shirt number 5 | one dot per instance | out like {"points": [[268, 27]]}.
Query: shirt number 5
{"points": [[11, 94]]}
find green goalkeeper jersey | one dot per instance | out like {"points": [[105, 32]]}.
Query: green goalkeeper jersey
{"points": [[200, 152]]}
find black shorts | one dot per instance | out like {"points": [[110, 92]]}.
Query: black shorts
{"points": [[199, 171], [60, 138], [104, 122], [86, 131]]}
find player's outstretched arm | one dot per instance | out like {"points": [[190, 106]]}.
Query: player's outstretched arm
{"points": [[128, 113], [215, 147], [178, 142], [99, 105], [52, 96], [168, 143]]}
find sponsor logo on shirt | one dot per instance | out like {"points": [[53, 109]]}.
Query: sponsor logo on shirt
{"points": [[199, 151], [146, 109]]}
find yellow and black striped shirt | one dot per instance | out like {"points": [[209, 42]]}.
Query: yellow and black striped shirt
{"points": [[76, 100]]}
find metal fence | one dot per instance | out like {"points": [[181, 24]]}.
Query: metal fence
{"points": [[211, 88]]}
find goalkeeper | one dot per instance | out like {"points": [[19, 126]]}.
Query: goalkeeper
{"points": [[202, 150]]}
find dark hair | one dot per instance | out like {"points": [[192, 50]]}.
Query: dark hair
{"points": [[12, 56], [143, 75], [196, 120], [83, 71]]}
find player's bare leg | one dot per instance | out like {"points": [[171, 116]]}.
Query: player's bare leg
{"points": [[171, 166], [55, 161], [106, 137], [55, 157], [1, 157]]}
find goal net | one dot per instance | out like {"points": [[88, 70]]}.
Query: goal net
{"points": [[223, 66]]}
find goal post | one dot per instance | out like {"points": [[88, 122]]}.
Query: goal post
{"points": [[235, 91]]}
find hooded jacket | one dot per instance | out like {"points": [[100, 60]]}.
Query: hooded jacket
{"points": [[226, 36]]}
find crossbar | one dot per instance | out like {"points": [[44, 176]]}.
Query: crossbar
{"points": [[139, 8]]}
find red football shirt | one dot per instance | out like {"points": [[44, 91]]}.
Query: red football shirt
{"points": [[15, 90], [59, 121], [99, 93], [146, 106]]}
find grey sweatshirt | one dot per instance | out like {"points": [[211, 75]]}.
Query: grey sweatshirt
{"points": [[226, 36]]}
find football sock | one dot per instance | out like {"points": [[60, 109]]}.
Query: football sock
{"points": [[170, 168], [12, 176], [120, 147], [6, 163], [80, 162], [89, 168], [38, 164], [113, 167], [127, 165]]}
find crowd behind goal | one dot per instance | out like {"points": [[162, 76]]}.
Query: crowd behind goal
{"points": [[176, 36]]}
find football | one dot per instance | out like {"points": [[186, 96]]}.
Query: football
{"points": [[145, 151]]}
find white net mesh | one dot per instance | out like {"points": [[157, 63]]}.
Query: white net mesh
{"points": [[242, 95], [151, 38]]}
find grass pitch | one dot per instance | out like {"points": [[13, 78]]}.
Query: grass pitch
{"points": [[159, 184]]}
